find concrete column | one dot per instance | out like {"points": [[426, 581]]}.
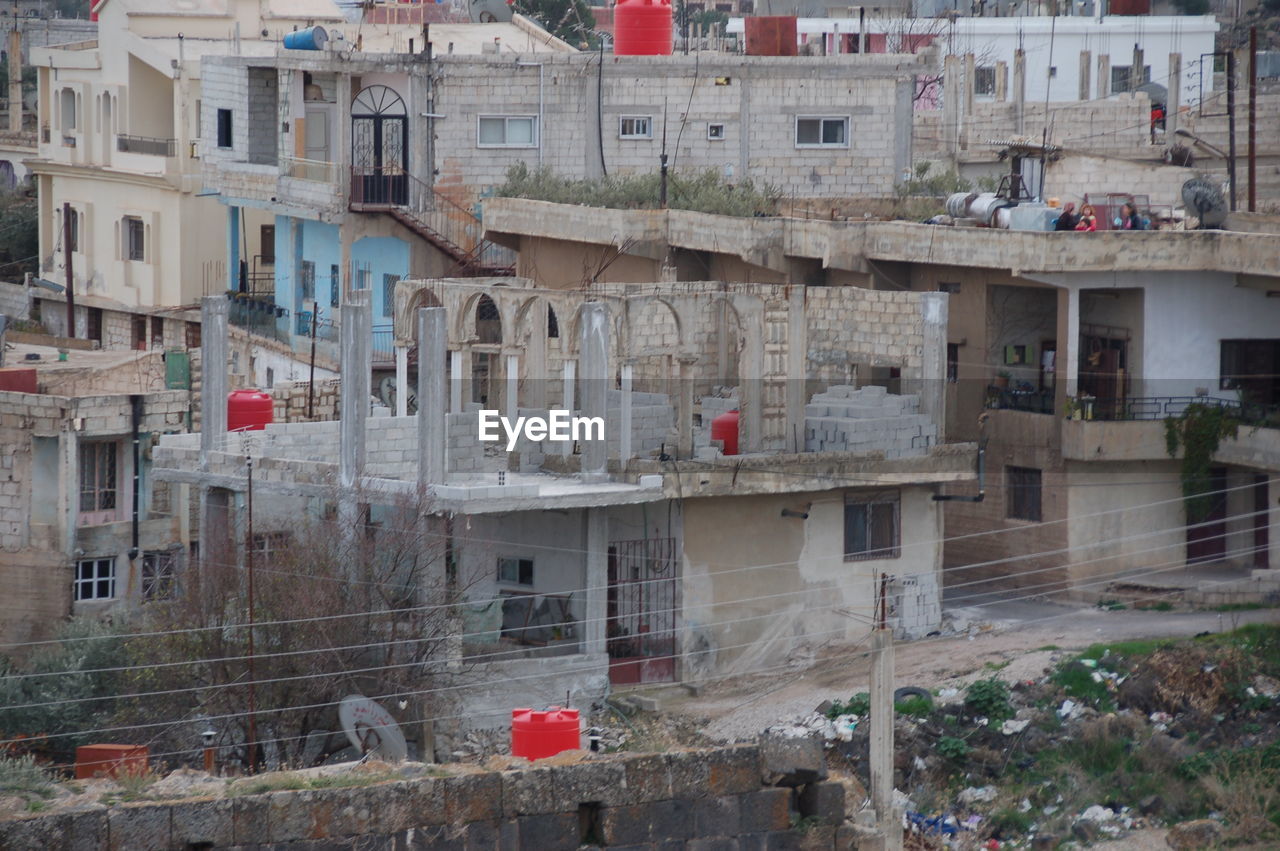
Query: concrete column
{"points": [[402, 379], [797, 346], [951, 102], [213, 376], [512, 402], [455, 382], [1002, 82], [596, 546], [881, 744], [15, 80], [1175, 95], [684, 407], [1020, 90], [969, 81], [750, 391], [356, 343], [69, 492], [1067, 363], [1086, 66], [1273, 521], [535, 369], [433, 425], [933, 359], [594, 352], [570, 373], [1104, 77], [233, 248], [624, 432], [1135, 70], [464, 373]]}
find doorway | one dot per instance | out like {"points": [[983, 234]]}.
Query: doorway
{"points": [[640, 629], [379, 150], [1207, 537]]}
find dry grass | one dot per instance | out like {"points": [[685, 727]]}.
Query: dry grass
{"points": [[1246, 790]]}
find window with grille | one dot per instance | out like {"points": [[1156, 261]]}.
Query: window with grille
{"points": [[308, 275], [389, 294], [99, 486], [517, 571], [334, 292], [270, 547], [1022, 493], [267, 244], [135, 238], [822, 131], [95, 579], [1122, 78], [158, 575], [871, 526], [984, 80]]}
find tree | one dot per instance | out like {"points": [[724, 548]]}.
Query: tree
{"points": [[568, 20], [19, 233]]}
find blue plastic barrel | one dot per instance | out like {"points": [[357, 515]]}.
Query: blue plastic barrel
{"points": [[312, 38]]}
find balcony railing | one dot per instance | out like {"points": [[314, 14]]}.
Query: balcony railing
{"points": [[1161, 407], [304, 169], [146, 145], [1015, 399], [383, 344]]}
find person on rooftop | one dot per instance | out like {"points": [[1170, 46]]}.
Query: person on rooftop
{"points": [[1088, 220], [1068, 219]]}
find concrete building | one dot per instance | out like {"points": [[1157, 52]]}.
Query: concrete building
{"points": [[120, 142], [648, 555], [1070, 349]]}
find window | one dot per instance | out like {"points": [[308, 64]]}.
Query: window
{"points": [[1022, 486], [518, 571], [269, 548], [67, 99], [715, 132], [308, 279], [193, 335], [948, 287], [267, 244], [871, 526], [953, 362], [333, 285], [158, 571], [635, 127], [99, 486], [224, 128], [1122, 79], [135, 239], [1251, 367], [95, 579], [507, 131], [389, 294], [830, 132], [984, 80]]}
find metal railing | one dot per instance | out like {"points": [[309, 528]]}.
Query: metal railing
{"points": [[127, 144], [1161, 407], [453, 228], [258, 314], [384, 344], [1014, 399], [321, 171]]}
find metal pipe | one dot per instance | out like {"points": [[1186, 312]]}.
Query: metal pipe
{"points": [[135, 403], [1253, 119]]}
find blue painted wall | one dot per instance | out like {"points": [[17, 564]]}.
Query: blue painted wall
{"points": [[299, 240], [374, 258]]}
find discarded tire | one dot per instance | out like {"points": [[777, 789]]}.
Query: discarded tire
{"points": [[908, 692]]}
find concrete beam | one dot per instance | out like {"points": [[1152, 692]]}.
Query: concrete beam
{"points": [[433, 427]]}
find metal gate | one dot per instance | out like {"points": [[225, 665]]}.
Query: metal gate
{"points": [[641, 628], [379, 127]]}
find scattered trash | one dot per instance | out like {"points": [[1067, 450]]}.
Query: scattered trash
{"points": [[1011, 727], [977, 794], [936, 826]]}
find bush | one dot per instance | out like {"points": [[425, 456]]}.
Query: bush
{"points": [[956, 750], [21, 774], [916, 707], [859, 704], [990, 698]]}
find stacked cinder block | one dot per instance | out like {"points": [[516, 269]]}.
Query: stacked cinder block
{"points": [[869, 419], [464, 451], [722, 401], [652, 420]]}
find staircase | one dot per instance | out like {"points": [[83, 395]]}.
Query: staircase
{"points": [[450, 227]]}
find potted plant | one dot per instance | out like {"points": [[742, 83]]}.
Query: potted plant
{"points": [[1071, 409], [1002, 379]]}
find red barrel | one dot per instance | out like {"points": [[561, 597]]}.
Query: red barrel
{"points": [[537, 734], [249, 410], [642, 28], [725, 427]]}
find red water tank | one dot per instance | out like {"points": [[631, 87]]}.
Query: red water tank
{"points": [[642, 28], [249, 410], [537, 734], [725, 427]]}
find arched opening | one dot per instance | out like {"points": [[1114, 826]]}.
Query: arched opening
{"points": [[485, 362], [379, 146], [654, 338]]}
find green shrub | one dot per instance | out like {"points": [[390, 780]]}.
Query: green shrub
{"points": [[859, 704], [916, 707], [21, 774], [990, 698], [956, 750]]}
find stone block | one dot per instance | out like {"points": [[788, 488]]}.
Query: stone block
{"points": [[41, 832], [203, 822], [766, 810], [141, 825], [671, 820], [472, 797], [824, 801], [647, 778], [787, 761], [86, 830], [552, 831], [528, 792], [626, 825], [600, 782], [719, 816]]}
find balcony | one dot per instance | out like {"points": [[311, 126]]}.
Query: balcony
{"points": [[146, 145], [303, 169], [1133, 430]]}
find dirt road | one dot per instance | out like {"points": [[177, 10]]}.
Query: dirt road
{"points": [[1020, 639]]}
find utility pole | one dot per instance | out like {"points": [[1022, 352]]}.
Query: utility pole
{"points": [[252, 743], [311, 380], [1253, 119], [66, 256], [881, 744], [1231, 125]]}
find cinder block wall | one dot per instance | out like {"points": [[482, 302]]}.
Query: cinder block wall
{"points": [[696, 799]]}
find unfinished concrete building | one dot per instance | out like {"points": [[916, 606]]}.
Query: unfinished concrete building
{"points": [[650, 555]]}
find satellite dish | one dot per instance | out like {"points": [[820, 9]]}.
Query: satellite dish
{"points": [[1205, 201], [371, 729], [1155, 92], [489, 11]]}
